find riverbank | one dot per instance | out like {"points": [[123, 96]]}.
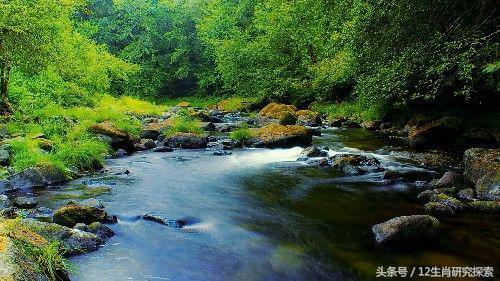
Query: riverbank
{"points": [[274, 126]]}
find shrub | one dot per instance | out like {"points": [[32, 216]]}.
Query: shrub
{"points": [[242, 134]]}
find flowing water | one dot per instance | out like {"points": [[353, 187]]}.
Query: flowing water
{"points": [[261, 215]]}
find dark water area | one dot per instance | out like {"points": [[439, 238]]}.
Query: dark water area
{"points": [[261, 215]]}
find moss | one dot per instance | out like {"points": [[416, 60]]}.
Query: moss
{"points": [[237, 104], [273, 130], [184, 104], [275, 110], [108, 129]]}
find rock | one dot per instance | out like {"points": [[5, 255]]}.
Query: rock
{"points": [[92, 202], [309, 118], [222, 153], [186, 141], [208, 127], [485, 206], [313, 151], [478, 138], [350, 170], [354, 159], [29, 178], [280, 136], [350, 124], [337, 122], [438, 133], [162, 149], [4, 156], [438, 209], [9, 213], [4, 202], [6, 186], [225, 127], [426, 195], [176, 223], [282, 114], [406, 228], [41, 214], [148, 143], [24, 202], [120, 153], [371, 125], [466, 194], [482, 167], [115, 171], [391, 175], [449, 179], [184, 104], [100, 230], [45, 144], [449, 201], [72, 214], [74, 241], [119, 139], [152, 134]]}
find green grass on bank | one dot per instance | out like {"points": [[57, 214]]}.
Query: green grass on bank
{"points": [[355, 110], [70, 145]]}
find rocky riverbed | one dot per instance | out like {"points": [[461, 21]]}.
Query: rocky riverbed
{"points": [[195, 206]]}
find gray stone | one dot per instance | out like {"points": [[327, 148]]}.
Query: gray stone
{"points": [[24, 202], [406, 228]]}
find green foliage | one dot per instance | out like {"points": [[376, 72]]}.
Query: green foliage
{"points": [[242, 134], [354, 110], [184, 123]]}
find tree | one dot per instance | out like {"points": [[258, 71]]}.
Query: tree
{"points": [[30, 30]]}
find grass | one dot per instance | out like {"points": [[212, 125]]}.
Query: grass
{"points": [[194, 101], [184, 123], [67, 130], [353, 110], [47, 256], [237, 104], [241, 134]]}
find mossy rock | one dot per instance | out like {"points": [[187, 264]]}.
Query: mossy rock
{"points": [[118, 139], [406, 228], [186, 141], [309, 118], [485, 206], [482, 167], [275, 135], [184, 104], [283, 114], [72, 214], [441, 132]]}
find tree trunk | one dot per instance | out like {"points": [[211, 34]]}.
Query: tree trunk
{"points": [[5, 107]]}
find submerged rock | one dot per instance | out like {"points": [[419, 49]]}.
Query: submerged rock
{"points": [[482, 167], [354, 160], [100, 230], [280, 136], [222, 153], [162, 149], [73, 213], [406, 228], [186, 141]]}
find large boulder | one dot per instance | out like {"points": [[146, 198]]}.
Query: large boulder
{"points": [[101, 230], [275, 136], [40, 176], [449, 179], [186, 141], [283, 114], [73, 241], [313, 151], [24, 202], [482, 167], [72, 213], [309, 118], [354, 160], [118, 139], [438, 133], [406, 228]]}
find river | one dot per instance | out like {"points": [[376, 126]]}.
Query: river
{"points": [[260, 214]]}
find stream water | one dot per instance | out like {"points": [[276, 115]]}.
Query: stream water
{"points": [[261, 215]]}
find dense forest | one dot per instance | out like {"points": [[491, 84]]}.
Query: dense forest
{"points": [[82, 81], [375, 54]]}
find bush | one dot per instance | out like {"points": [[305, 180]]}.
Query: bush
{"points": [[242, 134]]}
